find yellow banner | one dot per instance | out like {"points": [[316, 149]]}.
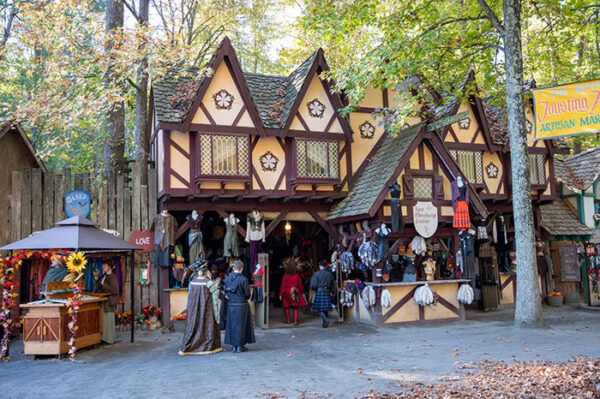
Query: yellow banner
{"points": [[567, 110]]}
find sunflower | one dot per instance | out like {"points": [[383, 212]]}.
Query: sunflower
{"points": [[76, 262]]}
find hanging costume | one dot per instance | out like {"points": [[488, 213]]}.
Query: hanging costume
{"points": [[368, 253], [501, 241], [460, 203], [255, 235], [238, 328], [230, 244], [165, 230], [257, 293], [396, 208], [195, 238], [383, 245], [201, 335]]}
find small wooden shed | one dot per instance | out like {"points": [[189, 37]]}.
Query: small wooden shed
{"points": [[17, 152]]}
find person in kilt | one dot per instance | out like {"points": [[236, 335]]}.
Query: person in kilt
{"points": [[323, 284]]}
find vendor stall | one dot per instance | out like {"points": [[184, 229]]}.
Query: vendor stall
{"points": [[45, 327]]}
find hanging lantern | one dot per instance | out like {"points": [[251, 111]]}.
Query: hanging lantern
{"points": [[288, 226]]}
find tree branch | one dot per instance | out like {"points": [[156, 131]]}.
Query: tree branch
{"points": [[132, 83], [492, 17], [131, 8]]}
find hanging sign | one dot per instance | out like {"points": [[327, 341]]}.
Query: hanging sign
{"points": [[143, 239], [77, 203], [569, 263], [425, 218], [567, 110]]}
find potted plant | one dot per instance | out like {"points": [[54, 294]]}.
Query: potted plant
{"points": [[555, 298]]}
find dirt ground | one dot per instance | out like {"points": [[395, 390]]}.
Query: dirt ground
{"points": [[343, 361]]}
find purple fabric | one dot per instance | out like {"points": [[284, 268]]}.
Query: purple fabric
{"points": [[119, 273], [455, 194], [254, 249]]}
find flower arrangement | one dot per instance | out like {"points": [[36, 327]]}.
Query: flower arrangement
{"points": [[556, 294], [75, 264], [151, 311], [123, 319]]}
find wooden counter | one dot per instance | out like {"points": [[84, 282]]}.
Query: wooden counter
{"points": [[46, 331], [404, 310]]}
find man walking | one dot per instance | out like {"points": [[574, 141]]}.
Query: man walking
{"points": [[323, 283], [238, 328]]}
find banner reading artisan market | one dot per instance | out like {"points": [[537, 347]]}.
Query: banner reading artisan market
{"points": [[567, 110]]}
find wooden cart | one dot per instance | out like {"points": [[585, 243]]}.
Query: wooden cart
{"points": [[46, 331]]}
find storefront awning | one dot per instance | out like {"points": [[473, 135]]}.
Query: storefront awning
{"points": [[559, 220]]}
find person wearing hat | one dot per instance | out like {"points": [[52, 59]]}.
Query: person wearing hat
{"points": [[238, 327], [202, 335], [323, 283]]}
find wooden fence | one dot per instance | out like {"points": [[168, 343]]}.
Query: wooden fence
{"points": [[117, 203]]}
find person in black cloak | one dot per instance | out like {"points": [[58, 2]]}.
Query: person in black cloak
{"points": [[202, 335], [238, 328]]}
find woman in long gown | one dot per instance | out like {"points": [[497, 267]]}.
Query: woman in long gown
{"points": [[202, 335]]}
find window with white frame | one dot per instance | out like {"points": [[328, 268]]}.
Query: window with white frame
{"points": [[470, 164], [224, 155], [317, 159], [537, 171]]}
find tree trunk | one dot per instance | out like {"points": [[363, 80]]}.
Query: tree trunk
{"points": [[114, 146], [528, 310], [142, 144]]}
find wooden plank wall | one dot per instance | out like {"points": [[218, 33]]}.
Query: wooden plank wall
{"points": [[118, 202]]}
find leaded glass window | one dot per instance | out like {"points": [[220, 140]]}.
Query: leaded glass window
{"points": [[317, 159], [224, 155], [470, 164], [537, 171], [423, 187]]}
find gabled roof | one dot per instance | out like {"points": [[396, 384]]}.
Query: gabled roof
{"points": [[581, 170], [369, 189], [11, 126], [559, 220], [378, 173]]}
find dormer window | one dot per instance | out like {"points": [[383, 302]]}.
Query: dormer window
{"points": [[317, 159], [470, 164]]}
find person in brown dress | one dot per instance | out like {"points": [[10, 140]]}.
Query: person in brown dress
{"points": [[291, 292], [202, 335]]}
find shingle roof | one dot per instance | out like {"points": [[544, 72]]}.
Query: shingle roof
{"points": [[584, 167], [565, 173], [269, 90], [377, 173], [265, 90], [559, 220]]}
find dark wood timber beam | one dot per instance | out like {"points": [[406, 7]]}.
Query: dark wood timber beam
{"points": [[326, 226], [182, 229], [274, 223]]}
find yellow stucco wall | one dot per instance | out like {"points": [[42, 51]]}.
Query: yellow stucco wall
{"points": [[160, 159], [466, 135], [530, 135], [316, 90], [268, 178], [362, 146], [373, 98], [492, 183], [179, 163], [222, 79]]}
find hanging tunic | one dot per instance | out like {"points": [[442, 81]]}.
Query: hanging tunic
{"points": [[383, 246], [255, 233], [238, 328], [201, 335], [230, 244], [460, 198], [396, 208], [195, 239]]}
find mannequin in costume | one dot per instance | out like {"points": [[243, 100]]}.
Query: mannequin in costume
{"points": [[395, 191], [201, 335], [164, 227], [383, 245], [257, 293], [460, 203], [255, 235], [195, 237], [230, 244], [429, 268]]}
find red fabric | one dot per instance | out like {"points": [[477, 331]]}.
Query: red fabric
{"points": [[286, 285], [461, 219]]}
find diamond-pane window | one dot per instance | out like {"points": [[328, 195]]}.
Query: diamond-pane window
{"points": [[423, 187], [224, 155], [317, 159], [470, 164], [537, 171]]}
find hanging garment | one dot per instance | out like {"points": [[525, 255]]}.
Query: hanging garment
{"points": [[396, 208], [257, 293], [460, 204], [501, 241], [368, 253], [383, 245], [482, 232], [165, 230], [201, 335], [255, 247], [410, 272], [418, 245], [368, 296], [230, 243], [347, 261], [161, 256], [386, 299]]}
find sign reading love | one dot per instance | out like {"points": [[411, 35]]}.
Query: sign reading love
{"points": [[143, 239]]}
